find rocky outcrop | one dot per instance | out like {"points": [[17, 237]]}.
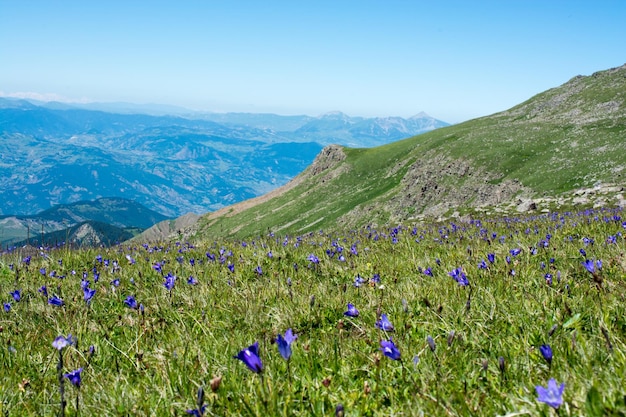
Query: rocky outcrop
{"points": [[180, 227], [435, 184], [327, 164]]}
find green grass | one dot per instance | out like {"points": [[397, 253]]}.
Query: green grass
{"points": [[152, 363], [558, 141]]}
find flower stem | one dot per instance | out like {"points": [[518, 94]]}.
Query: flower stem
{"points": [[61, 383]]}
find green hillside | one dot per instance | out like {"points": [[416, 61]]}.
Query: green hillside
{"points": [[562, 140]]}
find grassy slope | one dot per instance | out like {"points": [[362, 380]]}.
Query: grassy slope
{"points": [[152, 363], [558, 141]]}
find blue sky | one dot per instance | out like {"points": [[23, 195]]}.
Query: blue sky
{"points": [[455, 60]]}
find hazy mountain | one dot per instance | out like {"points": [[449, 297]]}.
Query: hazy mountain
{"points": [[54, 153], [564, 147], [87, 233], [118, 213]]}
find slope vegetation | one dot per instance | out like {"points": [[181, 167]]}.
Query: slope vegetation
{"points": [[562, 140]]}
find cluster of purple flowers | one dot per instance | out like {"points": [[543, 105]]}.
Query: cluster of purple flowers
{"points": [[489, 265]]}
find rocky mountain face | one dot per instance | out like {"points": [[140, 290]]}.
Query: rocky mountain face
{"points": [[52, 153]]}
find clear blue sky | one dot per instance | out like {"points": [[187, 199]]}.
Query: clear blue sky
{"points": [[455, 60]]}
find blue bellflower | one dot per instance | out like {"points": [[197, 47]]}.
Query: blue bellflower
{"points": [[61, 342], [591, 267], [459, 276], [389, 349], [546, 352], [55, 301], [352, 311], [198, 412], [313, 259], [284, 343], [74, 377], [552, 394], [130, 302], [89, 293], [384, 324], [170, 281], [358, 281], [250, 356]]}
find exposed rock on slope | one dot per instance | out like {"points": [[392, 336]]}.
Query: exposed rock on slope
{"points": [[329, 157], [432, 186], [167, 229]]}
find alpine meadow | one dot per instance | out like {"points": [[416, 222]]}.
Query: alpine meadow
{"points": [[476, 269]]}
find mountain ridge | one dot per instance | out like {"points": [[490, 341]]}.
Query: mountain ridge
{"points": [[60, 154], [547, 150], [120, 215]]}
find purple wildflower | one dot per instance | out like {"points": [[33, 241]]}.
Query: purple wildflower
{"points": [[74, 377], [197, 412], [89, 293], [384, 324], [55, 301], [546, 352], [459, 276], [131, 302], [591, 266], [352, 311], [169, 282], [43, 290], [431, 343], [548, 278], [389, 349], [284, 343], [61, 342], [552, 394], [250, 357], [358, 281]]}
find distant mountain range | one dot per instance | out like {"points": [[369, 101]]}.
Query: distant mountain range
{"points": [[103, 221], [54, 153]]}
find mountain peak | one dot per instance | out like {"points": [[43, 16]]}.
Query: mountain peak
{"points": [[420, 115], [336, 114]]}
